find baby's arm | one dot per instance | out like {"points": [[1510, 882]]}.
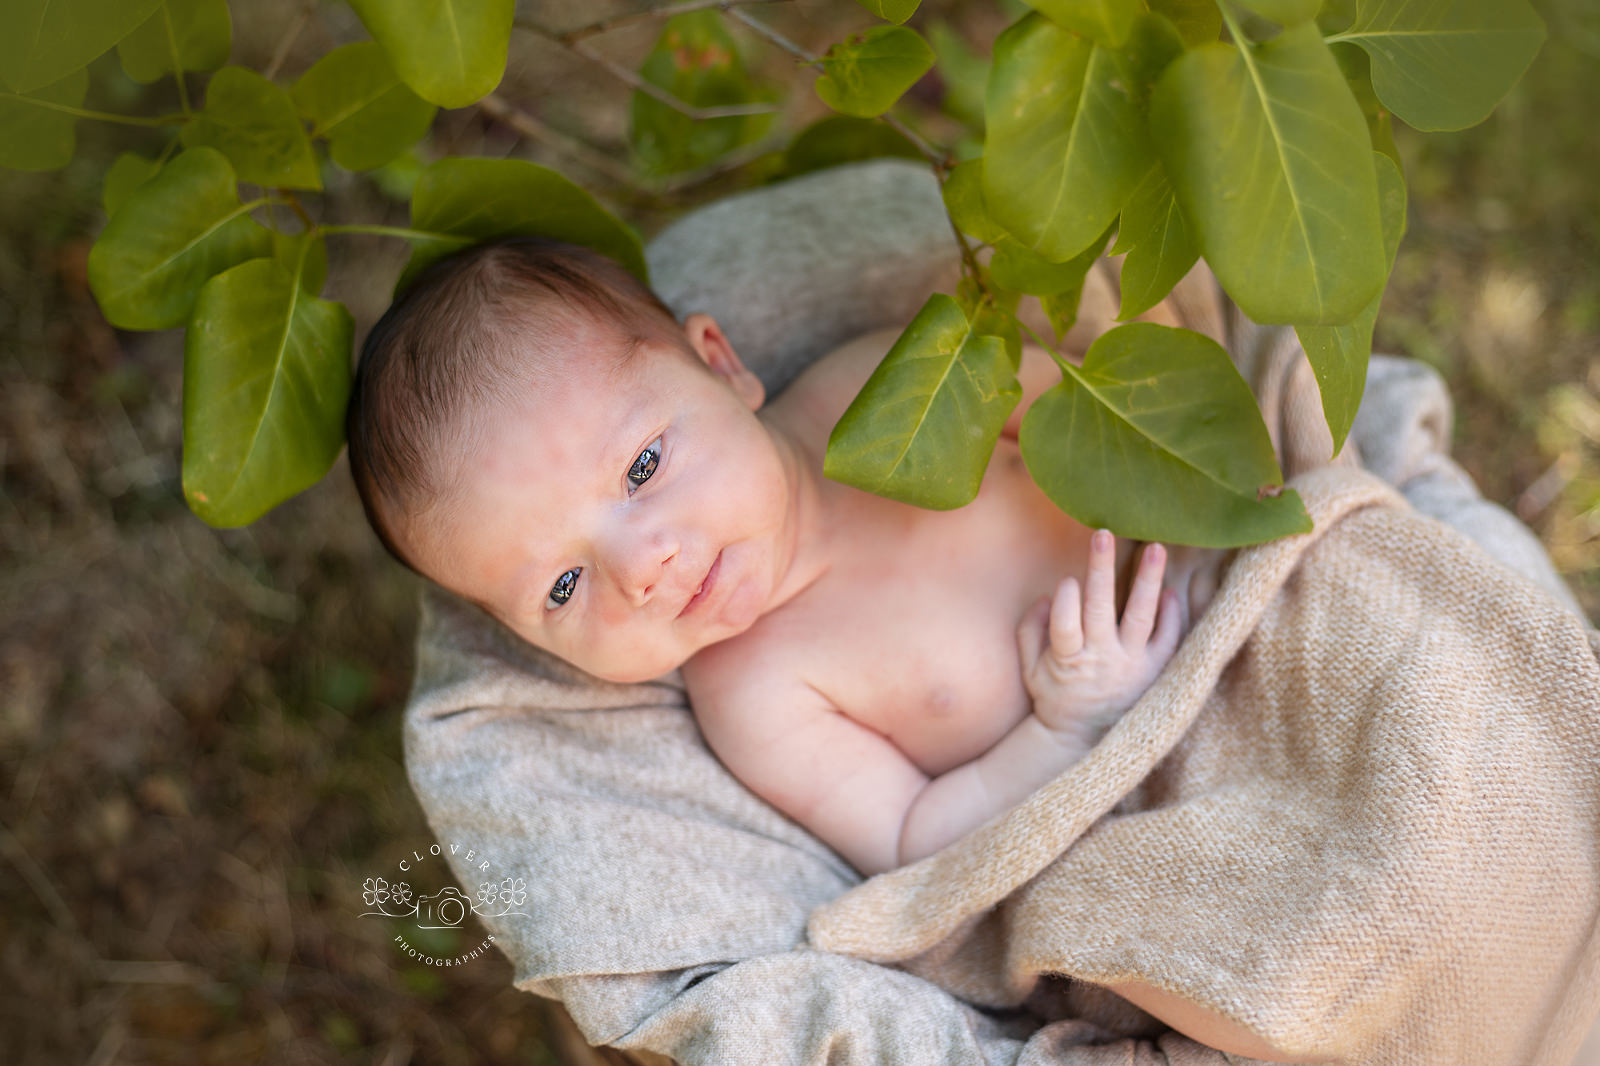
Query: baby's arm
{"points": [[853, 789]]}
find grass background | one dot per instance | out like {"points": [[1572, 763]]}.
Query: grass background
{"points": [[200, 730]]}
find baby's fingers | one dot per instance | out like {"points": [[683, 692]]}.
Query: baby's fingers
{"points": [[1100, 592], [1139, 616], [1031, 634], [1066, 626], [1169, 628]]}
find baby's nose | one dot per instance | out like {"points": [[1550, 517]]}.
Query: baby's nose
{"points": [[646, 569]]}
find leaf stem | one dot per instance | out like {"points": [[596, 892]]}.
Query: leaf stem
{"points": [[177, 61], [390, 231], [628, 77], [174, 119], [1233, 25], [281, 53], [648, 14]]}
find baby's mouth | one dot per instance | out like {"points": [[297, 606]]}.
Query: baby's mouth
{"points": [[706, 583]]}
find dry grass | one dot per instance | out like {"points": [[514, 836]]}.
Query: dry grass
{"points": [[199, 730]]}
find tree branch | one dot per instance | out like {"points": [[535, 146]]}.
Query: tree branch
{"points": [[683, 7], [627, 76], [501, 109]]}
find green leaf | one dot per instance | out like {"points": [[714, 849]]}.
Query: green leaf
{"points": [[1339, 354], [1445, 64], [34, 136], [1283, 12], [891, 10], [1164, 410], [451, 52], [841, 139], [1105, 22], [1159, 245], [865, 74], [1269, 157], [305, 254], [923, 427], [697, 61], [1198, 21], [1066, 140], [130, 171], [463, 201], [1020, 269], [1152, 47], [254, 123], [171, 234], [42, 41], [1357, 70], [353, 97], [198, 34], [1061, 310], [963, 200], [964, 72], [266, 374]]}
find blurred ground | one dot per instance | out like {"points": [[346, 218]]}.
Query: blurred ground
{"points": [[199, 730]]}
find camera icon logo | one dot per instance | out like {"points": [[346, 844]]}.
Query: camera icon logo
{"points": [[444, 909]]}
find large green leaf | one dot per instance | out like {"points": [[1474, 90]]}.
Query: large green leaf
{"points": [[451, 52], [1269, 157], [1357, 68], [963, 201], [353, 97], [923, 427], [42, 41], [1160, 248], [1020, 269], [891, 10], [840, 139], [171, 234], [462, 201], [1066, 140], [130, 171], [35, 136], [865, 74], [266, 374], [254, 123], [1284, 12], [1157, 437], [1198, 21], [1105, 22], [1445, 64], [1339, 354], [696, 60], [197, 34]]}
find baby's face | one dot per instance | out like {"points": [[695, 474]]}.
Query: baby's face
{"points": [[593, 509]]}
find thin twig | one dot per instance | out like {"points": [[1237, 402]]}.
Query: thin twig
{"points": [[281, 53], [498, 107], [623, 74], [39, 880], [762, 29], [940, 160], [664, 11]]}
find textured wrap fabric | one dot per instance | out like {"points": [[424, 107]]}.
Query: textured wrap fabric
{"points": [[668, 907]]}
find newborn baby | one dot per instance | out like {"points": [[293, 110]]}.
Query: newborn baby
{"points": [[533, 430]]}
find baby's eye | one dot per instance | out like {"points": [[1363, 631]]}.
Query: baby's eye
{"points": [[561, 592], [644, 466]]}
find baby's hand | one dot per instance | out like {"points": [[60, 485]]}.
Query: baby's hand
{"points": [[1080, 669]]}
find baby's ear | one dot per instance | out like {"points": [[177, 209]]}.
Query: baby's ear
{"points": [[709, 343]]}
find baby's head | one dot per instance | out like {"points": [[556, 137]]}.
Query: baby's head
{"points": [[532, 429]]}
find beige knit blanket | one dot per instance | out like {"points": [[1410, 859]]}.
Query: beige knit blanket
{"points": [[1358, 813]]}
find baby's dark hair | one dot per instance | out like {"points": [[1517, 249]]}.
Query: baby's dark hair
{"points": [[470, 328]]}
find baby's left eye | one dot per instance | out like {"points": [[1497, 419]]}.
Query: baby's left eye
{"points": [[644, 466]]}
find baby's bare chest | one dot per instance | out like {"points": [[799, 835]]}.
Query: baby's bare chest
{"points": [[912, 632]]}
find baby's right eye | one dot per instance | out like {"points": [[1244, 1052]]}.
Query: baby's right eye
{"points": [[561, 592]]}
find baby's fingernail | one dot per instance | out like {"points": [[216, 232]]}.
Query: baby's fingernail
{"points": [[1155, 553], [1102, 539]]}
